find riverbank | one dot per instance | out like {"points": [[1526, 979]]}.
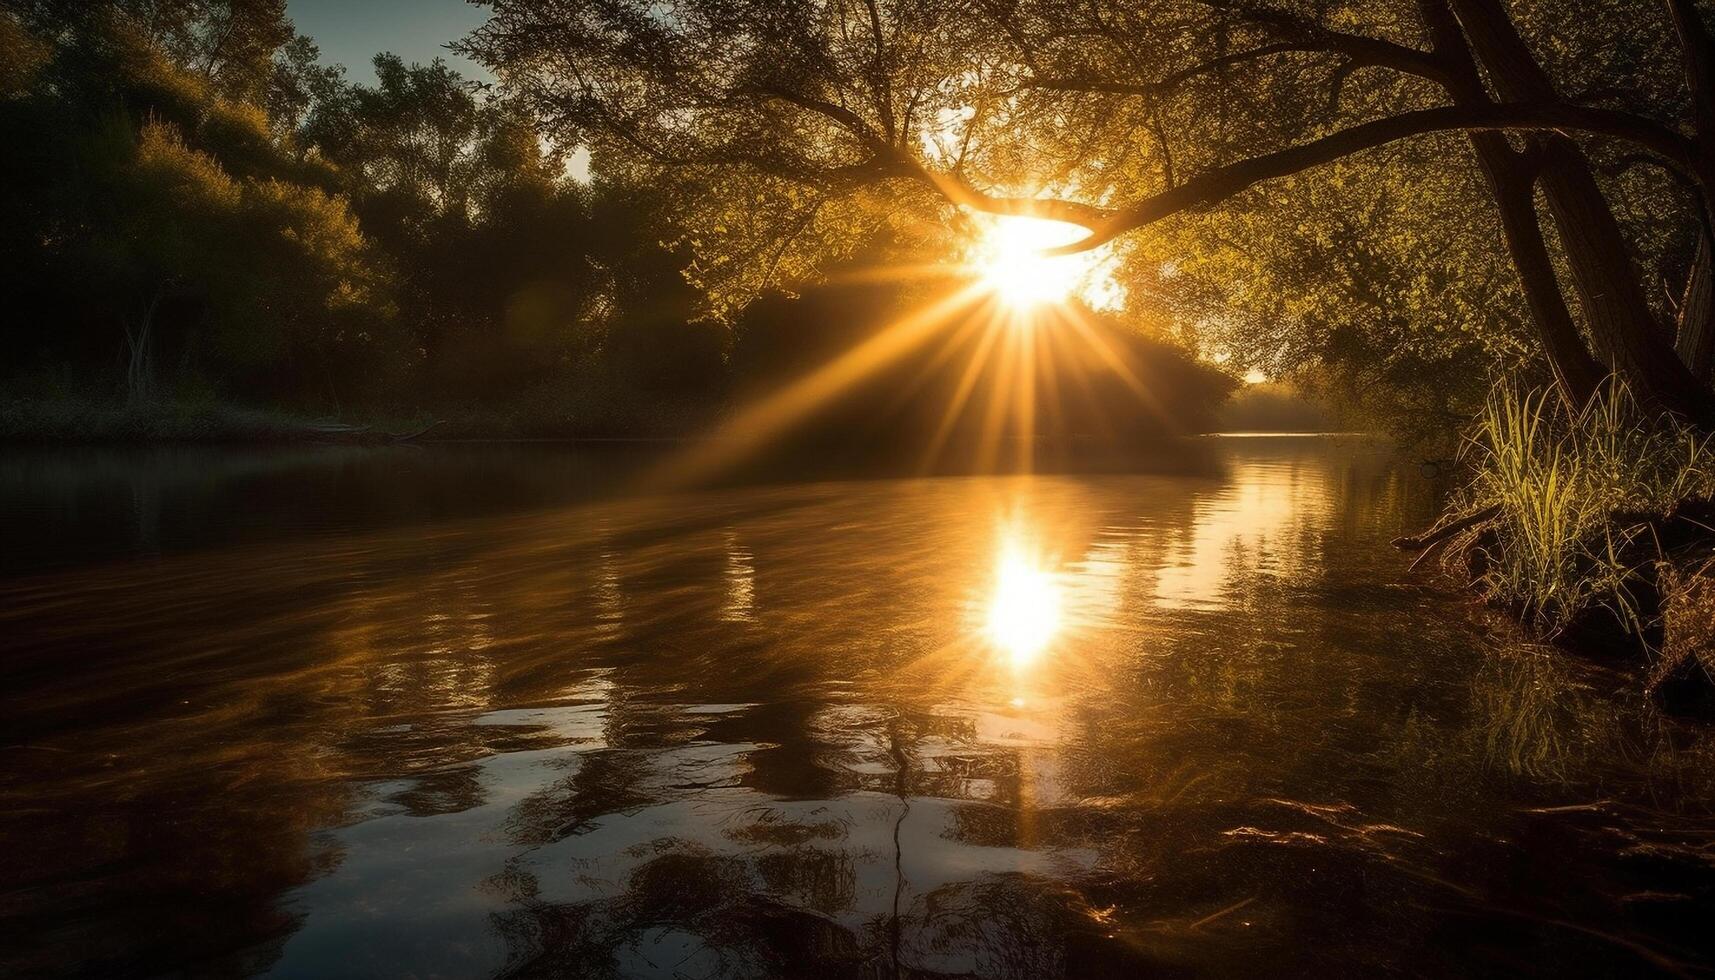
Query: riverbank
{"points": [[1595, 529], [843, 436], [74, 421]]}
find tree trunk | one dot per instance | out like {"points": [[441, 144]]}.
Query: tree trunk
{"points": [[1608, 287], [1699, 51], [1696, 340], [1512, 184], [140, 370], [1610, 291]]}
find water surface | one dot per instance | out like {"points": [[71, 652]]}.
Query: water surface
{"points": [[459, 712]]}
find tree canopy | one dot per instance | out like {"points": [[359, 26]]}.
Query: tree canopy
{"points": [[1334, 150]]}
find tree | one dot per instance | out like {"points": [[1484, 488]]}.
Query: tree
{"points": [[147, 212], [1119, 117], [490, 240], [228, 43], [404, 145]]}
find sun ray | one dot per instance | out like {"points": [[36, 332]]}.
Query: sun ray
{"points": [[961, 394], [751, 429], [1024, 403], [1117, 364], [948, 350], [999, 403], [1018, 305], [1088, 398], [1047, 369]]}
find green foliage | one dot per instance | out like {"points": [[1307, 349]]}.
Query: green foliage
{"points": [[1385, 290], [198, 201], [201, 211], [160, 218], [21, 57], [1565, 483], [311, 276]]}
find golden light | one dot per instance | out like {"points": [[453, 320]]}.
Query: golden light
{"points": [[1005, 312], [1011, 262], [1024, 613]]}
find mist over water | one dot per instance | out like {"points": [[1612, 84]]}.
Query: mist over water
{"points": [[460, 713]]}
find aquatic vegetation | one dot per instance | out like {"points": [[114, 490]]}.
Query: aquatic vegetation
{"points": [[1579, 502]]}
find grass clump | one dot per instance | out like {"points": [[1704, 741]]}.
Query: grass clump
{"points": [[1578, 498]]}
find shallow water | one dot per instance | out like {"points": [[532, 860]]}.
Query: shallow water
{"points": [[462, 712]]}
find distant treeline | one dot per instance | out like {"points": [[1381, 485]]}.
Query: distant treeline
{"points": [[193, 209]]}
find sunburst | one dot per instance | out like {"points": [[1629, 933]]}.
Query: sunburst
{"points": [[1012, 262], [1018, 314]]}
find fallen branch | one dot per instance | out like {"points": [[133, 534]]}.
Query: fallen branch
{"points": [[407, 437], [336, 429], [1446, 529]]}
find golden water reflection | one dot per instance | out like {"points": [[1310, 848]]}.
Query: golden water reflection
{"points": [[1024, 614], [1012, 727]]}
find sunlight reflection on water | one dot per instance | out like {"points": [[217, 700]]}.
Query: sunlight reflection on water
{"points": [[1024, 614], [1008, 727]]}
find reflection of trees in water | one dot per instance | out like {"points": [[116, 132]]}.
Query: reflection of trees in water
{"points": [[606, 781], [798, 757], [686, 912], [689, 913], [1191, 820], [1012, 926], [809, 878], [98, 502]]}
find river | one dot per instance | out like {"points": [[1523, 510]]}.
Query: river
{"points": [[479, 711]]}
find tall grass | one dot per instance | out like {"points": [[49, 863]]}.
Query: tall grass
{"points": [[1574, 491]]}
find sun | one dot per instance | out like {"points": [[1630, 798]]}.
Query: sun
{"points": [[1010, 260]]}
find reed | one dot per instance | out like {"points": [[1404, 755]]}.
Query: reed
{"points": [[1575, 491]]}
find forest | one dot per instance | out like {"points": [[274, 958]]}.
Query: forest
{"points": [[211, 234]]}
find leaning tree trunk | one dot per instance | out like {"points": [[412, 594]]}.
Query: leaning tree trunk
{"points": [[1610, 291], [1696, 340], [1512, 183], [1607, 285], [1696, 335]]}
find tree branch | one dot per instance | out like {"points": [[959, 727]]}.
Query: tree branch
{"points": [[1167, 85], [1369, 50], [1217, 185], [1222, 183]]}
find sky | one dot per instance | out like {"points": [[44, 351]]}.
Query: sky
{"points": [[350, 32]]}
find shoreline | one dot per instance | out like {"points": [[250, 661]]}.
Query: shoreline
{"points": [[45, 424]]}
